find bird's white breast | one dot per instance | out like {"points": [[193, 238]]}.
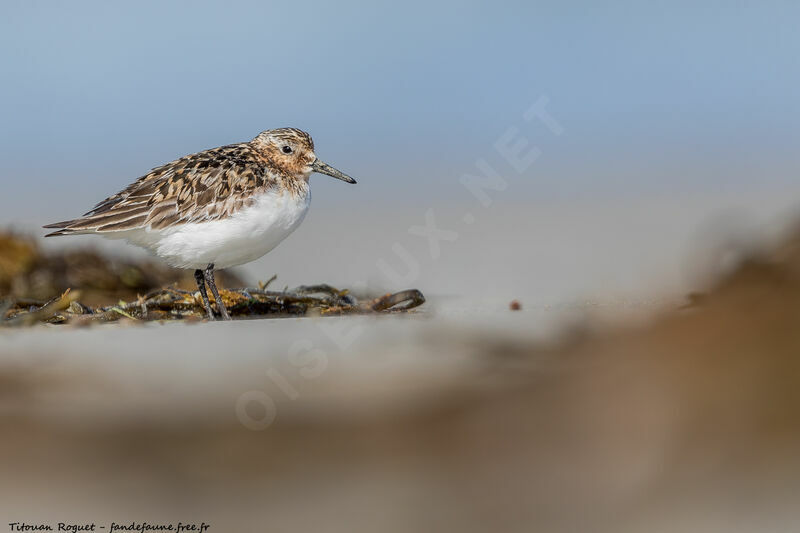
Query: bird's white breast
{"points": [[243, 237]]}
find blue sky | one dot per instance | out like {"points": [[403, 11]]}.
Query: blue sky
{"points": [[403, 95]]}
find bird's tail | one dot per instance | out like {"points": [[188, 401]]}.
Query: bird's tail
{"points": [[62, 227]]}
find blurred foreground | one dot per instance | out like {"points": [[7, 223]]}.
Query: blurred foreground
{"points": [[691, 423]]}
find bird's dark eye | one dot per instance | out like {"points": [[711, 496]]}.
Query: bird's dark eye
{"points": [[286, 149]]}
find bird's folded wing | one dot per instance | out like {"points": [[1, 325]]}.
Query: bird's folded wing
{"points": [[208, 185]]}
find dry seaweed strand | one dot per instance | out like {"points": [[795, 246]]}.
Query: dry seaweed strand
{"points": [[176, 304]]}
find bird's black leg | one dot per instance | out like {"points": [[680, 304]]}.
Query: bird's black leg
{"points": [[201, 286], [209, 273]]}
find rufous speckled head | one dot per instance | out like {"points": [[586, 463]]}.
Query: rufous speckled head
{"points": [[291, 152]]}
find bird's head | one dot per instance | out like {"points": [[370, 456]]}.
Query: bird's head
{"points": [[291, 151]]}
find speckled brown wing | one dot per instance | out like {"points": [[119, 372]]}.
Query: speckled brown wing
{"points": [[208, 185]]}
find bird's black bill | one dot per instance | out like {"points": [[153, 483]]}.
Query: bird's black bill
{"points": [[323, 168]]}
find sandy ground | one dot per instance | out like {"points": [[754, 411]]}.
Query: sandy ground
{"points": [[408, 423], [610, 413]]}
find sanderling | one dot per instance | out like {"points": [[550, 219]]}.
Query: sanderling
{"points": [[214, 209]]}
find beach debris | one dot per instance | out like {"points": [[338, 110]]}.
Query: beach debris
{"points": [[88, 281], [178, 304]]}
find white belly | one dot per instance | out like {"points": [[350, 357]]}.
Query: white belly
{"points": [[244, 237]]}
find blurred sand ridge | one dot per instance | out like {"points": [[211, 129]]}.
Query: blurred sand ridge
{"points": [[690, 422]]}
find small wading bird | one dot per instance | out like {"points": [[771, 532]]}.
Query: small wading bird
{"points": [[214, 209]]}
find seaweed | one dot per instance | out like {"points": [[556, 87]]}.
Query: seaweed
{"points": [[177, 304], [87, 281]]}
